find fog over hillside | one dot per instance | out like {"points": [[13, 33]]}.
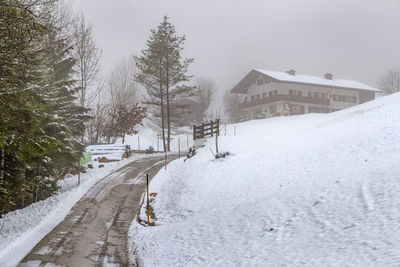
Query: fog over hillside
{"points": [[355, 39]]}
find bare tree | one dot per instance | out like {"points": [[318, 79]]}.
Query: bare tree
{"points": [[205, 89], [389, 83], [96, 127], [88, 56], [122, 89], [231, 105], [122, 86]]}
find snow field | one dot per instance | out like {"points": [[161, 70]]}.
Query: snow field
{"points": [[314, 190]]}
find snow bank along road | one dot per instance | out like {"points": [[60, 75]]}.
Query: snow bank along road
{"points": [[95, 230]]}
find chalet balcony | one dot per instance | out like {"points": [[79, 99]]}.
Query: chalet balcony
{"points": [[290, 98]]}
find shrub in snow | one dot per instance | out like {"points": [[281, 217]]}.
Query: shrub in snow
{"points": [[191, 153], [128, 152], [149, 150], [103, 160], [222, 155]]}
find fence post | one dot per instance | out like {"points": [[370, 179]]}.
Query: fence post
{"points": [[211, 126], [148, 201], [216, 135], [216, 143], [194, 132], [79, 173]]}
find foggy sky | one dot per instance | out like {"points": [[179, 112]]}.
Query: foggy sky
{"points": [[353, 39]]}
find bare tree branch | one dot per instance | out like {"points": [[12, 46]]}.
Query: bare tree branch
{"points": [[389, 83], [88, 57], [205, 89]]}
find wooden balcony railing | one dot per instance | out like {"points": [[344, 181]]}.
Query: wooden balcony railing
{"points": [[291, 98]]}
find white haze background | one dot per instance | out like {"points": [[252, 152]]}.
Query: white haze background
{"points": [[353, 39]]}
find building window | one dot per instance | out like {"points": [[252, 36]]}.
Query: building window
{"points": [[272, 93], [350, 99], [317, 110], [264, 95], [272, 109], [260, 81], [316, 95], [337, 98], [296, 109], [255, 97], [345, 98], [295, 92]]}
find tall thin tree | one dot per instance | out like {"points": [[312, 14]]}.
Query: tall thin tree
{"points": [[162, 71], [87, 56]]}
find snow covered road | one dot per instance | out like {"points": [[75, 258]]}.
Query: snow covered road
{"points": [[95, 230]]}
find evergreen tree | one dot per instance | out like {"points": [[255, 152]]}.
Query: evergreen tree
{"points": [[60, 95], [40, 119], [162, 71], [21, 55]]}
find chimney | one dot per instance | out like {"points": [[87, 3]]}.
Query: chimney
{"points": [[291, 72], [328, 76]]}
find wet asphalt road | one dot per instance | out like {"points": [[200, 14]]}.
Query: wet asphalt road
{"points": [[95, 231]]}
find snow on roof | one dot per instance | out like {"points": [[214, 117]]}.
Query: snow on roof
{"points": [[283, 76], [306, 79]]}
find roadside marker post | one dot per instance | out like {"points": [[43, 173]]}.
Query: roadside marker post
{"points": [[165, 159], [148, 200]]}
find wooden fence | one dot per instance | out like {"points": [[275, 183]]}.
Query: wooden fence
{"points": [[206, 130]]}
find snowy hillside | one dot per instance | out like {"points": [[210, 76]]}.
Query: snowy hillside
{"points": [[314, 189]]}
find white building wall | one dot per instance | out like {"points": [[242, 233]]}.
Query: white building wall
{"points": [[283, 88]]}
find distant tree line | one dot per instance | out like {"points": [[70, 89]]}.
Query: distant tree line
{"points": [[389, 83]]}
